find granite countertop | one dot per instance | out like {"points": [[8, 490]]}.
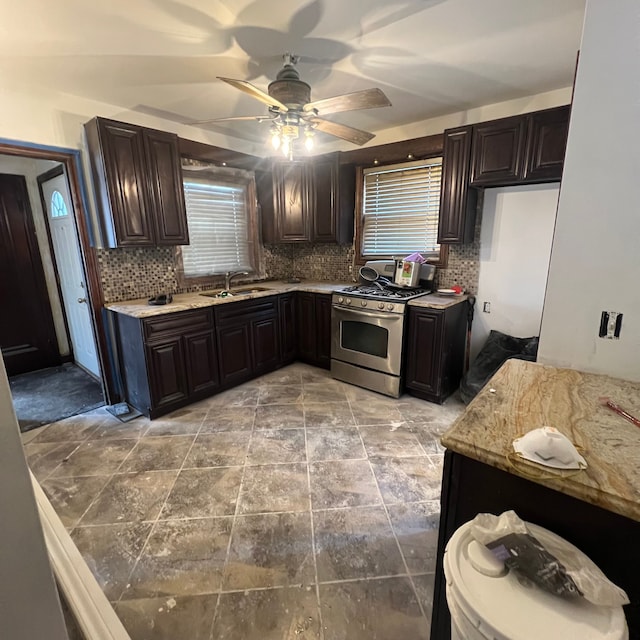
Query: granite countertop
{"points": [[436, 301], [184, 301], [523, 396]]}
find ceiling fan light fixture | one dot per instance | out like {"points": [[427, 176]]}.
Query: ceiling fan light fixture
{"points": [[308, 139]]}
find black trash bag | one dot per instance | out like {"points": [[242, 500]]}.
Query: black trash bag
{"points": [[498, 348]]}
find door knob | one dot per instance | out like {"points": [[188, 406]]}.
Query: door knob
{"points": [[81, 300]]}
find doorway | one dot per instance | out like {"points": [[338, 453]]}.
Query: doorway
{"points": [[68, 347]]}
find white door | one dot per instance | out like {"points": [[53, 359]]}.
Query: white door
{"points": [[68, 259]]}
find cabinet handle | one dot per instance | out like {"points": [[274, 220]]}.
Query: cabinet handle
{"points": [[81, 300]]}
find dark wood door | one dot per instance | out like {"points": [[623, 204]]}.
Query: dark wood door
{"points": [[547, 140], [288, 327], [291, 185], [306, 320], [497, 152], [325, 209], [323, 330], [201, 362], [27, 333], [167, 373], [234, 353], [165, 187], [123, 154], [266, 344], [457, 200], [424, 348]]}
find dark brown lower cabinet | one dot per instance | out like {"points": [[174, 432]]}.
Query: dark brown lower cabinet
{"points": [[435, 345], [248, 339], [167, 361], [314, 328], [288, 328]]}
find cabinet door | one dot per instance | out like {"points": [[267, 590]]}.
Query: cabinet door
{"points": [[167, 374], [323, 330], [165, 187], [457, 201], [325, 211], [122, 149], [291, 183], [424, 347], [547, 140], [288, 327], [234, 353], [201, 362], [306, 312], [266, 344], [497, 152]]}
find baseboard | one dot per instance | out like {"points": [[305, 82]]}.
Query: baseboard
{"points": [[93, 612]]}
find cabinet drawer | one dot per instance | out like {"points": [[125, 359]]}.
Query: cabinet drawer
{"points": [[233, 312], [162, 326]]}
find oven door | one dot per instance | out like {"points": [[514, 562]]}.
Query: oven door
{"points": [[368, 339]]}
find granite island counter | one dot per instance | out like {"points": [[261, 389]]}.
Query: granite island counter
{"points": [[597, 509]]}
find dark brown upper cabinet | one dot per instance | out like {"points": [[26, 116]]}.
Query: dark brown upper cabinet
{"points": [[497, 151], [138, 182], [308, 201], [518, 150], [292, 201], [457, 201], [547, 142]]}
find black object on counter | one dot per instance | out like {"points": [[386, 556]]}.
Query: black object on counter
{"points": [[163, 298]]}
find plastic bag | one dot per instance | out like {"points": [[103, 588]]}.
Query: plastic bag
{"points": [[498, 348], [555, 567]]}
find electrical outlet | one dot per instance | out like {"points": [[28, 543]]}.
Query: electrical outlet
{"points": [[610, 325], [486, 307]]}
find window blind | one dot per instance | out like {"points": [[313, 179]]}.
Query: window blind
{"points": [[217, 218], [401, 204]]}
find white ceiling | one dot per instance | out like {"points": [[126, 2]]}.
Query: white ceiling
{"points": [[161, 57]]}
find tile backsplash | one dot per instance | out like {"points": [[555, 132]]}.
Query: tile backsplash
{"points": [[128, 274]]}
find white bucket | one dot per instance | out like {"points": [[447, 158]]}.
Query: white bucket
{"points": [[487, 603]]}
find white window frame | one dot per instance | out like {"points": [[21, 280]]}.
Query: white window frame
{"points": [[375, 216], [222, 176]]}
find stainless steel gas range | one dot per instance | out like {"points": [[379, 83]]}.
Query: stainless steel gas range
{"points": [[367, 335]]}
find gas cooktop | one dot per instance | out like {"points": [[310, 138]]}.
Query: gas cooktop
{"points": [[384, 292]]}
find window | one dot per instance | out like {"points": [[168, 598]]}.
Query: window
{"points": [[222, 223], [400, 207], [58, 207]]}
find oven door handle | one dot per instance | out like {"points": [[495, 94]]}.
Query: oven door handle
{"points": [[368, 312]]}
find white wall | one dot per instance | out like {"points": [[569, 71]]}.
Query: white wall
{"points": [[515, 246], [595, 259], [31, 169], [29, 605]]}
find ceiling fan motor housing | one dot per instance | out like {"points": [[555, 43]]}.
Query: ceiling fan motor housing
{"points": [[289, 89]]}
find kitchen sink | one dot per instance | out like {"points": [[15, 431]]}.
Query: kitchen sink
{"points": [[234, 292]]}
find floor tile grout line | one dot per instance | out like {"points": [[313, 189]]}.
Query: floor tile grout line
{"points": [[395, 537], [313, 537], [157, 519], [233, 522]]}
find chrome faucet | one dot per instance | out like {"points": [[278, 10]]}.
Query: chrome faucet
{"points": [[232, 274]]}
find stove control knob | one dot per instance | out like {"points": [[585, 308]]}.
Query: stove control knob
{"points": [[380, 305], [363, 303], [390, 307], [340, 299], [348, 300]]}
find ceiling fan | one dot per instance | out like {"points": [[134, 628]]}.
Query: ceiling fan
{"points": [[291, 111]]}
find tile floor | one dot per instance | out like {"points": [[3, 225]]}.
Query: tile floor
{"points": [[294, 506]]}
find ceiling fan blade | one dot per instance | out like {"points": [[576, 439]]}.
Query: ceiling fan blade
{"points": [[254, 92], [338, 130], [366, 99], [255, 118]]}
